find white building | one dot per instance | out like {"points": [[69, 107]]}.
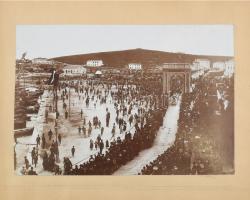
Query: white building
{"points": [[200, 64], [219, 65], [74, 70], [94, 63], [229, 68], [134, 66], [42, 61]]}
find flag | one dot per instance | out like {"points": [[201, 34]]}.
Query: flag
{"points": [[54, 78], [24, 55]]}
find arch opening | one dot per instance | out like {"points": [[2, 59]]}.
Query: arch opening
{"points": [[177, 84]]}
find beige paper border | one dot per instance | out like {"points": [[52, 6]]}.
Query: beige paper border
{"points": [[125, 187]]}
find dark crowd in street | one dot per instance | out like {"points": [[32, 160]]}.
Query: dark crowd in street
{"points": [[204, 123]]}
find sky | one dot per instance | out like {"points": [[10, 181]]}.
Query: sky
{"points": [[50, 41]]}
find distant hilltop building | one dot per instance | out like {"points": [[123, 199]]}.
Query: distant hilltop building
{"points": [[74, 70], [94, 63], [42, 61], [135, 66], [201, 64]]}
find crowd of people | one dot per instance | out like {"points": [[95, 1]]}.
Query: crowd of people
{"points": [[132, 103], [196, 149], [120, 151], [138, 117]]}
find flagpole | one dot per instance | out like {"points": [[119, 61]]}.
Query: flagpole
{"points": [[69, 101], [56, 99]]}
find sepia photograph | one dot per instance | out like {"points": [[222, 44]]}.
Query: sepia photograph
{"points": [[124, 100]]}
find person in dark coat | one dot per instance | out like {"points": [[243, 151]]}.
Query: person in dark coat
{"points": [[31, 172], [81, 113], [43, 141], [38, 139], [66, 114], [51, 161], [57, 114], [79, 130], [91, 145], [33, 154], [26, 161], [102, 130], [67, 166], [96, 144], [45, 161], [124, 126], [57, 170], [101, 146], [120, 121], [107, 119], [84, 131], [46, 115], [130, 120], [50, 134], [73, 151], [35, 160], [59, 138], [107, 143]]}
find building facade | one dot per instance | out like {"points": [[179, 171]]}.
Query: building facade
{"points": [[135, 66], [200, 64], [94, 63], [74, 70], [229, 68], [42, 61], [219, 65]]}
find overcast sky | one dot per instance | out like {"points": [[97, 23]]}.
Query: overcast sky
{"points": [[58, 40]]}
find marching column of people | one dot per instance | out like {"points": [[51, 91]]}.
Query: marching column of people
{"points": [[131, 102], [120, 152]]}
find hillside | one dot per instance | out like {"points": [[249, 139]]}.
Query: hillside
{"points": [[147, 58]]}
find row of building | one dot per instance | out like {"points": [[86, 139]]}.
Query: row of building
{"points": [[96, 66], [204, 64], [45, 61], [89, 63]]}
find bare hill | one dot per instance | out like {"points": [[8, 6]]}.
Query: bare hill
{"points": [[148, 58]]}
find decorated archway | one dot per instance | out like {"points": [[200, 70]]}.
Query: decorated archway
{"points": [[176, 77]]}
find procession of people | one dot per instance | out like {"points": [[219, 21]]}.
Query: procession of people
{"points": [[129, 106], [132, 115]]}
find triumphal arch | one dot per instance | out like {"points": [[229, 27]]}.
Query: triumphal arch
{"points": [[172, 71]]}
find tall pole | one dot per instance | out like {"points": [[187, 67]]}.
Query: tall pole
{"points": [[56, 112], [69, 101], [56, 99], [15, 163], [23, 78], [164, 89], [56, 122]]}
